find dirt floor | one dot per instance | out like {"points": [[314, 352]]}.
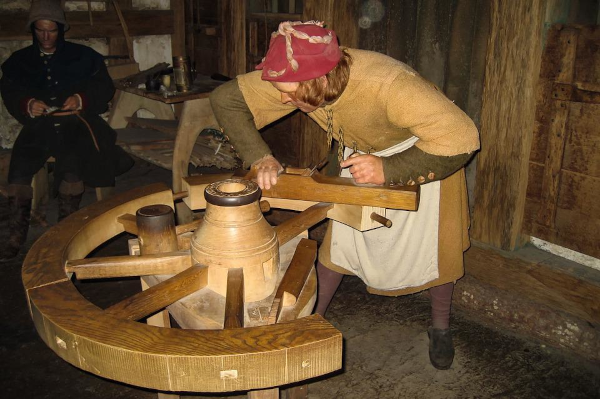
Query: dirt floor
{"points": [[385, 344]]}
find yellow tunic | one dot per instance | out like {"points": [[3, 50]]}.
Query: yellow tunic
{"points": [[384, 103]]}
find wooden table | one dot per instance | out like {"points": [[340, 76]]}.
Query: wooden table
{"points": [[196, 116]]}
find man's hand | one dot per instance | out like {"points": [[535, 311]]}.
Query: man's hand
{"points": [[37, 108], [267, 171], [72, 103], [365, 168]]}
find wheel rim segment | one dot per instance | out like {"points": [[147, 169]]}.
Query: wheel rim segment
{"points": [[152, 357]]}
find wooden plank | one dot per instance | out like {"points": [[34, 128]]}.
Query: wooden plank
{"points": [[168, 126], [460, 47], [557, 138], [272, 393], [568, 92], [581, 152], [587, 66], [551, 118], [315, 188], [507, 121], [321, 188], [577, 220], [234, 299], [106, 24], [296, 225], [535, 281], [161, 295], [178, 36], [402, 26], [170, 359], [129, 266], [232, 43], [296, 275], [123, 23]]}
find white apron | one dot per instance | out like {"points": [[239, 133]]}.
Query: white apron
{"points": [[406, 254]]}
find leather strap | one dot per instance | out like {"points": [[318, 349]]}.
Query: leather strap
{"points": [[77, 113]]}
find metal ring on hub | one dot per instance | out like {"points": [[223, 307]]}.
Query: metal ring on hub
{"points": [[232, 192]]}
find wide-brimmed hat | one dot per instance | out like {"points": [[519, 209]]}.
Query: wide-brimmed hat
{"points": [[300, 51], [46, 9]]}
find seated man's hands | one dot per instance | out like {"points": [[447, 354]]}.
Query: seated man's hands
{"points": [[72, 103], [37, 108], [365, 168], [267, 171]]}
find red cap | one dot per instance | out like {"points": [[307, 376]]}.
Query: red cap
{"points": [[314, 52]]}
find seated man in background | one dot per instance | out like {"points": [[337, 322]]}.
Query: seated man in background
{"points": [[57, 90]]}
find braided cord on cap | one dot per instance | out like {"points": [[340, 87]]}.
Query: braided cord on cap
{"points": [[287, 30]]}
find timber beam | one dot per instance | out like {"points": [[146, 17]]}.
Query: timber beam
{"points": [[106, 24]]}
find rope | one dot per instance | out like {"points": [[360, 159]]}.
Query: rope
{"points": [[76, 113]]}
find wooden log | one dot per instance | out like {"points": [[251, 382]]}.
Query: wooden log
{"points": [[129, 266], [507, 121], [161, 295], [296, 225], [234, 299]]}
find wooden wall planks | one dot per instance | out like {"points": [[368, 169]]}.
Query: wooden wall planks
{"points": [[562, 201]]}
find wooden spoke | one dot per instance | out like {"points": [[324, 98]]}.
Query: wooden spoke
{"points": [[161, 295], [296, 225], [130, 266], [295, 277], [188, 227], [234, 300], [184, 241], [128, 222]]}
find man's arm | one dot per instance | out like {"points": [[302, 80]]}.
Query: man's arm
{"points": [[448, 138], [237, 122]]}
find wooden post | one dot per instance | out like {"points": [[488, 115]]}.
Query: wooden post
{"points": [[232, 43], [178, 36], [156, 234], [507, 120], [341, 17]]}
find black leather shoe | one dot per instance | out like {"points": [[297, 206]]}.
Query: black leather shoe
{"points": [[441, 348]]}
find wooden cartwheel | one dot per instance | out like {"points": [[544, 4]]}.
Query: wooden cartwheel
{"points": [[243, 308]]}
